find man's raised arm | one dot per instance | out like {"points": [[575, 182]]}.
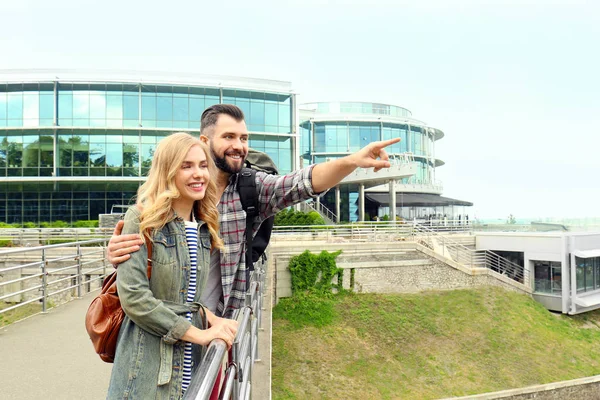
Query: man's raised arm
{"points": [[120, 246], [330, 173]]}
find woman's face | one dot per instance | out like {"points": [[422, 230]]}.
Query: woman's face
{"points": [[192, 178]]}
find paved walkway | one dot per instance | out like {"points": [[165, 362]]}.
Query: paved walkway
{"points": [[50, 356]]}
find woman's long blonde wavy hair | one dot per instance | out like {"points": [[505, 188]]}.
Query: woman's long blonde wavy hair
{"points": [[156, 195]]}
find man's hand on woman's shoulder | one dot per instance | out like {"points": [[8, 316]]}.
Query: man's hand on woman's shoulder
{"points": [[121, 246]]}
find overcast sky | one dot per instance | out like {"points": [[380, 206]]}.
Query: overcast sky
{"points": [[515, 85]]}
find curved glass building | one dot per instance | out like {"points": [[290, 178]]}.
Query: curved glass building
{"points": [[336, 129], [72, 144]]}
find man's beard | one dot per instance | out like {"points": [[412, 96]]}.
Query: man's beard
{"points": [[221, 162]]}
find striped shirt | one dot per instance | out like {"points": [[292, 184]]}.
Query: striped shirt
{"points": [[275, 193], [191, 235]]}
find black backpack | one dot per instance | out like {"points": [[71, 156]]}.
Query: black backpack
{"points": [[255, 247]]}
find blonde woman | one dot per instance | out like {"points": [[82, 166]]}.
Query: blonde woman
{"points": [[161, 336]]}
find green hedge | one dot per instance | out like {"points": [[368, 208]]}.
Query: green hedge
{"points": [[290, 217]]}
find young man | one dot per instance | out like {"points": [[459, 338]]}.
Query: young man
{"points": [[222, 126]]}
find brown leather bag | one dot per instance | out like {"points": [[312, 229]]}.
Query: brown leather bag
{"points": [[105, 315]]}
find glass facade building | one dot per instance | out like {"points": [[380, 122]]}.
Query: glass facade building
{"points": [[71, 147], [336, 129]]}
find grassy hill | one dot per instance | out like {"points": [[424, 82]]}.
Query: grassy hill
{"points": [[425, 346]]}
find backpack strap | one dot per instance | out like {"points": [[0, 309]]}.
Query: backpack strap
{"points": [[249, 197]]}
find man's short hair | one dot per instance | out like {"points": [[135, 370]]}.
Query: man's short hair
{"points": [[211, 115]]}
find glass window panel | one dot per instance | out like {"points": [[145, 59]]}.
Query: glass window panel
{"points": [[257, 114], [211, 101], [196, 109], [164, 107], [46, 106], [15, 151], [271, 114], [81, 105], [181, 109], [131, 155], [3, 151], [31, 106], [15, 106], [3, 106], [148, 107], [46, 151], [131, 108], [65, 106], [97, 154], [114, 106], [284, 117], [244, 105], [114, 155], [31, 150], [81, 151], [556, 278], [580, 274], [589, 276], [97, 105]]}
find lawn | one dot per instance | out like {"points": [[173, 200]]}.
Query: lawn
{"points": [[426, 346]]}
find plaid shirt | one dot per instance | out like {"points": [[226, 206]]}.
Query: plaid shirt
{"points": [[275, 193]]}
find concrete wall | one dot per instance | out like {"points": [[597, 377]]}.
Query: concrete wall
{"points": [[387, 267], [577, 389]]}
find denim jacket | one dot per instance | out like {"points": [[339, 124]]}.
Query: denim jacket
{"points": [[149, 359]]}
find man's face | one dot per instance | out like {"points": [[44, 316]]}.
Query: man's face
{"points": [[229, 144]]}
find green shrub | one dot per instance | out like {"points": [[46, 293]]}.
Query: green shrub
{"points": [[6, 243], [290, 217], [91, 223], [30, 225], [4, 225], [312, 273]]}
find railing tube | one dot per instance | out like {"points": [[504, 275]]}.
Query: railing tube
{"points": [[79, 271], [200, 388], [44, 281]]}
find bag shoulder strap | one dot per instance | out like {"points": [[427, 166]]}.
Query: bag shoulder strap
{"points": [[149, 247], [249, 197], [247, 189]]}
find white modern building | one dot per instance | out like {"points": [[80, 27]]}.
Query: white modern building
{"points": [[563, 269]]}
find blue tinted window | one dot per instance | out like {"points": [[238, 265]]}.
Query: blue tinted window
{"points": [[3, 106], [81, 105], [97, 105], [257, 114], [164, 107], [181, 109], [131, 108], [114, 106], [148, 107], [114, 155], [15, 106], [65, 106], [196, 109], [284, 118], [46, 105], [31, 109]]}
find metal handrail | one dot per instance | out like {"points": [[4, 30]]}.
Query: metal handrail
{"points": [[244, 351], [321, 209], [476, 258], [48, 274]]}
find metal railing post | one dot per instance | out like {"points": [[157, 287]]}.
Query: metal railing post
{"points": [[79, 271], [44, 282]]}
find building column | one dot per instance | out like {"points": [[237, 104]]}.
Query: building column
{"points": [[392, 185], [337, 204], [361, 202]]}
